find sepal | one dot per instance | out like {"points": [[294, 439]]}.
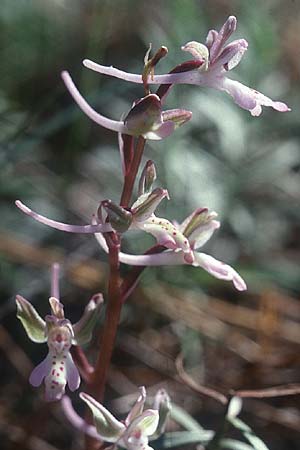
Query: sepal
{"points": [[32, 322], [83, 329], [146, 204], [137, 408], [108, 427]]}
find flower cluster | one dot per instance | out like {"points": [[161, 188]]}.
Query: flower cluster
{"points": [[58, 368], [181, 241]]}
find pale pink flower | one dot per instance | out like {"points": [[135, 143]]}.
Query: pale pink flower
{"points": [[216, 59], [197, 229], [58, 368]]}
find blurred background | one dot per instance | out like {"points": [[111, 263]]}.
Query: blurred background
{"points": [[62, 165]]}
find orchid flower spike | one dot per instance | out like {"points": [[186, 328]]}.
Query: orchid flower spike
{"points": [[215, 59], [196, 230], [145, 118], [58, 368], [135, 431]]}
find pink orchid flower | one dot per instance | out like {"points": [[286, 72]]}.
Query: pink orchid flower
{"points": [[197, 229], [139, 426], [58, 368], [215, 59]]}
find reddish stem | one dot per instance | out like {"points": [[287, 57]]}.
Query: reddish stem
{"points": [[131, 175], [112, 316]]}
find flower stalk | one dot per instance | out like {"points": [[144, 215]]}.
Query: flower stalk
{"points": [[112, 317]]}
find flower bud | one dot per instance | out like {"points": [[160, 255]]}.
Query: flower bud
{"points": [[147, 178], [119, 218]]}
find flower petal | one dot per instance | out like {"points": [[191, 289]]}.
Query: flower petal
{"points": [[34, 325], [146, 204], [41, 371], [248, 98], [166, 234], [163, 131], [199, 226], [137, 408], [199, 237], [72, 374], [57, 308], [219, 270], [232, 54], [225, 32], [146, 423]]}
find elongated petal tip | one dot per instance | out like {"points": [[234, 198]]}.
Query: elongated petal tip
{"points": [[238, 282], [23, 207], [220, 270], [231, 23], [63, 226]]}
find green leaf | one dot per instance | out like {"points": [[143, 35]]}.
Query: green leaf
{"points": [[233, 444], [108, 427], [254, 440], [184, 419], [177, 438], [83, 329], [34, 325]]}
